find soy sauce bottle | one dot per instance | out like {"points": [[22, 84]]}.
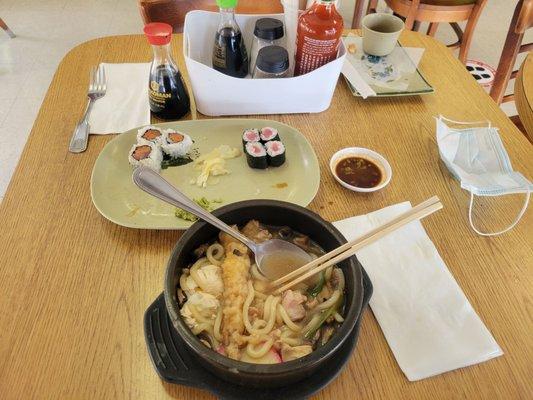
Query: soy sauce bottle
{"points": [[229, 52], [167, 92]]}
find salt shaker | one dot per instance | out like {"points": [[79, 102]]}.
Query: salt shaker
{"points": [[267, 32]]}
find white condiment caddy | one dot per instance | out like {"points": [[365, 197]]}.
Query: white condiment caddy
{"points": [[219, 94]]}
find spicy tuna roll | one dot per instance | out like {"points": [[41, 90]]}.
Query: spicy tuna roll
{"points": [[146, 153], [256, 155], [249, 136], [275, 153], [150, 133], [268, 134], [175, 144]]}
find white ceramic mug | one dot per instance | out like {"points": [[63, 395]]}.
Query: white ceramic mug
{"points": [[380, 33]]}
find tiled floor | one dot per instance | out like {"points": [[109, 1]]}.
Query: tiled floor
{"points": [[47, 29]]}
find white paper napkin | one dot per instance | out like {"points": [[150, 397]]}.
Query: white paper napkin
{"points": [[357, 81], [427, 320], [125, 104]]}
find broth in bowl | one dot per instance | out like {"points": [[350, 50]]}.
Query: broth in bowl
{"points": [[227, 304]]}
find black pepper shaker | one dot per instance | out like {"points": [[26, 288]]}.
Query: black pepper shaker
{"points": [[272, 62]]}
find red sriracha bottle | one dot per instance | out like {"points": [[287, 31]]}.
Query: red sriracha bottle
{"points": [[318, 36]]}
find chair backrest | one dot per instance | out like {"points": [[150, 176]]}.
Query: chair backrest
{"points": [[525, 18], [418, 10], [522, 20], [173, 11]]}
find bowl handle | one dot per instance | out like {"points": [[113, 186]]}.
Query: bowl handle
{"points": [[368, 289], [168, 356]]}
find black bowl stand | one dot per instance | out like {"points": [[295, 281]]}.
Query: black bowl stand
{"points": [[174, 364]]}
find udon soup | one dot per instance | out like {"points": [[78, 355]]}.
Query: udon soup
{"points": [[226, 302]]}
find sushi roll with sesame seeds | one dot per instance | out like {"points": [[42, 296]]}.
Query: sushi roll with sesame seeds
{"points": [[249, 136], [146, 153], [256, 155], [275, 151], [268, 134], [151, 134], [175, 144]]}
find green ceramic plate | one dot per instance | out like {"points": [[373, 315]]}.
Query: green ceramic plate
{"points": [[120, 201]]}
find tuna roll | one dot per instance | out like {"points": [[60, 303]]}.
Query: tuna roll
{"points": [[256, 155], [275, 153], [250, 135], [268, 134]]}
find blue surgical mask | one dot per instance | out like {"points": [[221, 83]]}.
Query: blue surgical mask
{"points": [[476, 157]]}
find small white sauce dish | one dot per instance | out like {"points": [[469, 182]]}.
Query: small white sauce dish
{"points": [[371, 155]]}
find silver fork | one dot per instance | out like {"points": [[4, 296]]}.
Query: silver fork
{"points": [[97, 88]]}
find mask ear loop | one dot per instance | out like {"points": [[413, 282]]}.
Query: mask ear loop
{"points": [[518, 218], [489, 124]]}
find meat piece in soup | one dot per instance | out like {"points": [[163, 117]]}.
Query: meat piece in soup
{"points": [[227, 303], [256, 232], [292, 302]]}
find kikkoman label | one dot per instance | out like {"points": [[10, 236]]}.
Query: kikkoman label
{"points": [[155, 95], [157, 100]]}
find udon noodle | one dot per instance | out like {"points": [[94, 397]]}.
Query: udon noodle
{"points": [[225, 301]]}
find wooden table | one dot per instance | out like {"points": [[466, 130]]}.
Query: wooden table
{"points": [[524, 95], [75, 286]]}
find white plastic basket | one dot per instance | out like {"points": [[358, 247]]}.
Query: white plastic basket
{"points": [[219, 94]]}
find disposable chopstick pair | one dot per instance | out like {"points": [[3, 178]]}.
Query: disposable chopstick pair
{"points": [[349, 249]]}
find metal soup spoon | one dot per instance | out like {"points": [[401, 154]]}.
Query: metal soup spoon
{"points": [[274, 258]]}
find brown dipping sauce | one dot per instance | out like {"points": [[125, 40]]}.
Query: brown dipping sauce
{"points": [[359, 172]]}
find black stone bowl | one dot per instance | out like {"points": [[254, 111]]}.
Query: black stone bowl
{"points": [[270, 212]]}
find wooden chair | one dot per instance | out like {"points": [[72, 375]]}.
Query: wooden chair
{"points": [[438, 11], [523, 88], [4, 26], [173, 11], [522, 21]]}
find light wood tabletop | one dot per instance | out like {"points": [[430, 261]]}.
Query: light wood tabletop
{"points": [[524, 95], [75, 286]]}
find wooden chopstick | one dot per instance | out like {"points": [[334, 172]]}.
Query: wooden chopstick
{"points": [[349, 249], [346, 246]]}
